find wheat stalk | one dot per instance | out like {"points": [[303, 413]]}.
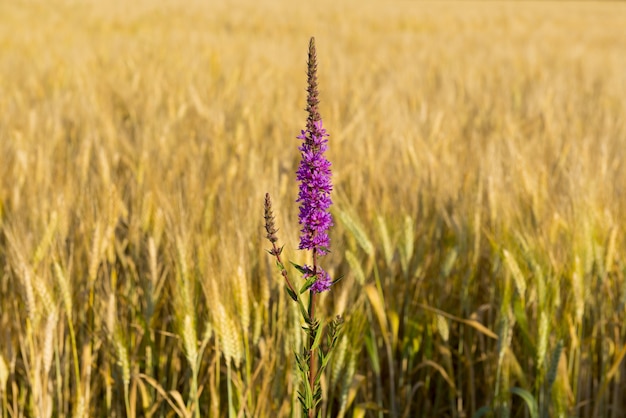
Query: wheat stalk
{"points": [[242, 301]]}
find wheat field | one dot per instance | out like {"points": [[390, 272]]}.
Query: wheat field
{"points": [[479, 203]]}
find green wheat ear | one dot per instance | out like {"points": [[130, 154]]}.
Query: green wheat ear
{"points": [[554, 364]]}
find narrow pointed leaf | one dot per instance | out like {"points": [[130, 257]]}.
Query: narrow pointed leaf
{"points": [[482, 412], [529, 399], [309, 282], [318, 339], [291, 293], [299, 267], [338, 279], [303, 310]]}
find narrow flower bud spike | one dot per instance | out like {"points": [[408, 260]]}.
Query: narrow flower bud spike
{"points": [[312, 100], [270, 228]]}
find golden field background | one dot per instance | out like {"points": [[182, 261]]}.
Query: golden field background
{"points": [[478, 164]]}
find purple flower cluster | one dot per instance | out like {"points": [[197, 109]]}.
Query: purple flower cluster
{"points": [[323, 281], [315, 186]]}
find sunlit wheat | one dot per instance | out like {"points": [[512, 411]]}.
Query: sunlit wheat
{"points": [[478, 170]]}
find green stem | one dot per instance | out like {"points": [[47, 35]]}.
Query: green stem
{"points": [[246, 344], [74, 355], [194, 389], [312, 354], [231, 409]]}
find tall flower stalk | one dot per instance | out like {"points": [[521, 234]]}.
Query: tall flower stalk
{"points": [[314, 175]]}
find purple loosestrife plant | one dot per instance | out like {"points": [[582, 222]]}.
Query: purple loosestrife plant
{"points": [[314, 175]]}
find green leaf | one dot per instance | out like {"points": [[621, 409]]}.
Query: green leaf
{"points": [[309, 282], [337, 279], [299, 267], [291, 293], [325, 361], [303, 310], [529, 399], [482, 412], [308, 392], [280, 265], [370, 345], [317, 340]]}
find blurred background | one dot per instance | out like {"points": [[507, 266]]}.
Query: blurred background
{"points": [[478, 170]]}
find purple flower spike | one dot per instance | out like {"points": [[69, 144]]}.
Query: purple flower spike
{"points": [[315, 186], [314, 175]]}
